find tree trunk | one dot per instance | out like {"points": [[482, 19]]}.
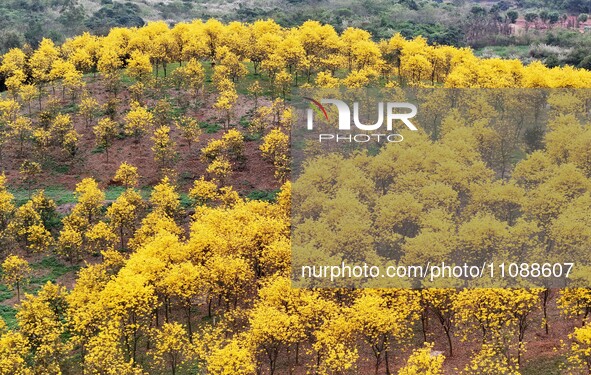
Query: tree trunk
{"points": [[448, 334], [545, 308], [189, 325]]}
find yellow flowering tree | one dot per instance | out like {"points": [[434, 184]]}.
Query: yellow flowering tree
{"points": [[423, 362], [164, 147], [127, 175], [171, 346], [138, 121], [275, 148], [15, 273], [203, 191], [105, 132]]}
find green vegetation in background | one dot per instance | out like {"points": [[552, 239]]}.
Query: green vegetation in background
{"points": [[505, 52], [114, 14], [210, 128], [575, 6], [456, 23], [27, 21]]}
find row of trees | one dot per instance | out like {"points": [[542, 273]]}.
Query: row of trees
{"points": [[300, 52]]}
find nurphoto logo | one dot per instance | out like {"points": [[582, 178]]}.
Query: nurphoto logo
{"points": [[345, 120]]}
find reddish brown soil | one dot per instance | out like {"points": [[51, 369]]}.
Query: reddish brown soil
{"points": [[256, 173]]}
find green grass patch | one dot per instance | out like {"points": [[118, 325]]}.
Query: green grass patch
{"points": [[55, 167], [62, 168], [8, 314], [246, 81], [517, 155], [263, 195], [186, 202], [505, 52], [61, 195], [543, 366], [5, 293], [169, 69], [253, 137], [55, 269], [58, 193], [113, 192], [244, 122], [177, 111], [98, 150], [126, 80], [69, 108], [210, 128]]}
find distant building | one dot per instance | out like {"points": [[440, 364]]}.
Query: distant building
{"points": [[571, 22]]}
